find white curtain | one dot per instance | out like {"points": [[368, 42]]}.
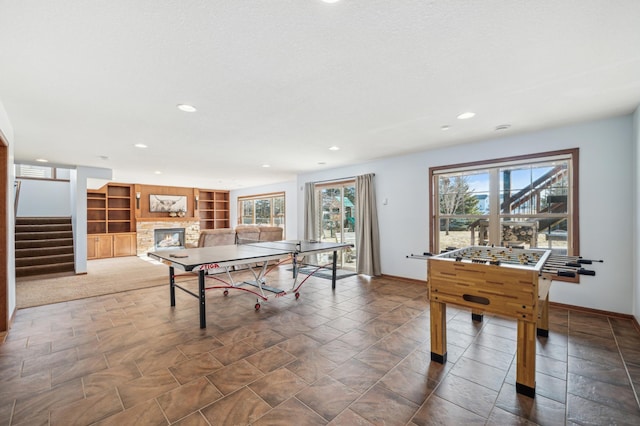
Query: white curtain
{"points": [[367, 233]]}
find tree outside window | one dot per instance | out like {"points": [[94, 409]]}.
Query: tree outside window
{"points": [[528, 201], [267, 209]]}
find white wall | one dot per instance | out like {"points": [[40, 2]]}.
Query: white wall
{"points": [[7, 131], [44, 198], [606, 202], [290, 199], [636, 214]]}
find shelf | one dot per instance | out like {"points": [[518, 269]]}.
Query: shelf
{"points": [[109, 209], [213, 209]]}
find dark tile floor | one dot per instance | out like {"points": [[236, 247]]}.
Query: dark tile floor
{"points": [[358, 355]]}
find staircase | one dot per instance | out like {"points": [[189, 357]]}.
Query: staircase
{"points": [[44, 245]]}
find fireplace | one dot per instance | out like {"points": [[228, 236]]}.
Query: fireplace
{"points": [[170, 238]]}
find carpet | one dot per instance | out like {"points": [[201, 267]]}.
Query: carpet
{"points": [[104, 276], [326, 272]]}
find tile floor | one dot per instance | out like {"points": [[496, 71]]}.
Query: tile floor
{"points": [[356, 356]]}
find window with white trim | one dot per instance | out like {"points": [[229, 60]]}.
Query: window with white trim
{"points": [[263, 209], [528, 201], [29, 171]]}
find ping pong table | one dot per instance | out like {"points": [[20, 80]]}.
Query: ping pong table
{"points": [[208, 262]]}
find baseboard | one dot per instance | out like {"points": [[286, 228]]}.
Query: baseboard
{"points": [[598, 312], [405, 279], [556, 304]]}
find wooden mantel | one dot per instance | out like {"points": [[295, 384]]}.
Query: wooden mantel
{"points": [[166, 219]]}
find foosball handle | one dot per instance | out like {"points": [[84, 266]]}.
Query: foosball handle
{"points": [[588, 261], [566, 274], [583, 271]]}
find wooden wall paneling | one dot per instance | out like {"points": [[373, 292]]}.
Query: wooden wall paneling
{"points": [[147, 190]]}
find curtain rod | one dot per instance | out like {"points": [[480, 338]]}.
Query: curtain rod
{"points": [[340, 179]]}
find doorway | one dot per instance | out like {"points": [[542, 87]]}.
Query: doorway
{"points": [[337, 215]]}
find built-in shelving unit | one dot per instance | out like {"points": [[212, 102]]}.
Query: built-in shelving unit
{"points": [[119, 208], [213, 209], [96, 212], [110, 222]]}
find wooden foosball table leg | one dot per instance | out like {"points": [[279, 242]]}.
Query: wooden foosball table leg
{"points": [[526, 359], [543, 317], [477, 315], [438, 332]]}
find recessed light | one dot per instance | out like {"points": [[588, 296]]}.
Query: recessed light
{"points": [[503, 126], [334, 148], [187, 108], [331, 1], [140, 145], [445, 127], [466, 115], [42, 160], [158, 172], [266, 166]]}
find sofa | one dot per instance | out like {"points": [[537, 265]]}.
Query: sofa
{"points": [[217, 237], [239, 234]]}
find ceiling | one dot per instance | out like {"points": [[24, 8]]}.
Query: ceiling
{"points": [[278, 82]]}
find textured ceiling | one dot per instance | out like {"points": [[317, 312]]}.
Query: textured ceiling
{"points": [[280, 81]]}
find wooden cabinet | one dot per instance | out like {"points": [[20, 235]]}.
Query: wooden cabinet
{"points": [[213, 209], [100, 246], [110, 222], [124, 244]]}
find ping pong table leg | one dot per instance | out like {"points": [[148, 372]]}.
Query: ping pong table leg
{"points": [[333, 272], [172, 286], [201, 299]]}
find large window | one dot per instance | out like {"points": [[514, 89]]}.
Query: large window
{"points": [[264, 209], [528, 201]]}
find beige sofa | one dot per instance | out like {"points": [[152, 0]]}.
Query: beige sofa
{"points": [[217, 237], [241, 233]]}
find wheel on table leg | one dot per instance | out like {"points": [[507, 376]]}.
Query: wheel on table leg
{"points": [[297, 295], [257, 306], [226, 292]]}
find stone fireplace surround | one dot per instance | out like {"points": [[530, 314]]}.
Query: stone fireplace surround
{"points": [[145, 228]]}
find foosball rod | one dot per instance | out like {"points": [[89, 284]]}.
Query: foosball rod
{"points": [[577, 259]]}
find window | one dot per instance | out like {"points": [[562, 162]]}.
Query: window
{"points": [[27, 171], [265, 209], [528, 201]]}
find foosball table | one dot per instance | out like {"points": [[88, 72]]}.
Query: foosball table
{"points": [[504, 281]]}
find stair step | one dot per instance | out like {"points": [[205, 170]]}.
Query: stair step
{"points": [[51, 260], [42, 235], [24, 220], [47, 227], [54, 242], [43, 245], [26, 271], [22, 253]]}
